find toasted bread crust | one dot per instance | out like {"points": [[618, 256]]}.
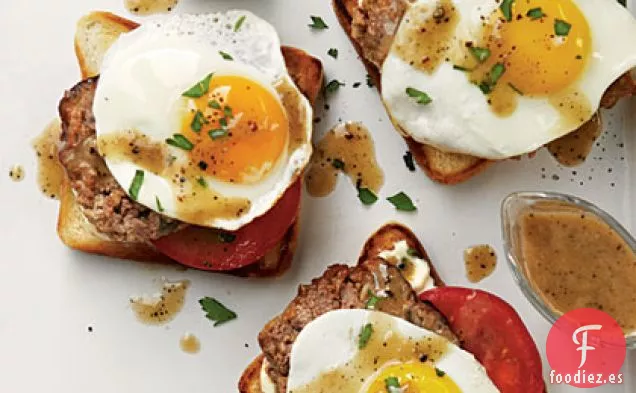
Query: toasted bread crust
{"points": [[73, 228], [440, 166], [390, 233], [250, 381]]}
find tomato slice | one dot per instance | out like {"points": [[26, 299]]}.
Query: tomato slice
{"points": [[213, 249], [491, 329]]}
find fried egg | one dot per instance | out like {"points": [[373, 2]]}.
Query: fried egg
{"points": [[198, 119], [500, 79], [363, 351]]}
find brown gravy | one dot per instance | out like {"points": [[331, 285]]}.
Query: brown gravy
{"points": [[575, 260], [189, 343], [385, 345], [16, 173], [163, 308], [480, 262], [572, 149], [150, 7], [347, 148], [50, 171]]}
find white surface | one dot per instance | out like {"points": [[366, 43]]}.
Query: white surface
{"points": [[50, 294]]}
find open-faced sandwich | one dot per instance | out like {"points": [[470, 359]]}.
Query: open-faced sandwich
{"points": [[390, 324], [186, 141], [468, 83]]}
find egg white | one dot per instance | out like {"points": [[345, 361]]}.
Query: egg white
{"points": [[144, 74], [459, 118], [331, 340]]}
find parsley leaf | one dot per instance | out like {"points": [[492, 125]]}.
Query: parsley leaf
{"points": [[135, 186], [366, 196], [535, 13], [333, 52], [202, 182], [180, 141], [496, 72], [227, 111], [239, 22], [337, 163], [401, 201], [420, 97], [214, 104], [218, 133], [159, 206], [439, 372], [481, 54], [365, 335], [215, 311], [317, 23], [506, 9], [391, 382], [408, 161], [372, 301], [199, 89], [197, 121], [225, 55], [561, 27], [226, 237], [333, 86]]}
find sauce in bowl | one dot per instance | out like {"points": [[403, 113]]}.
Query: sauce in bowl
{"points": [[573, 258]]}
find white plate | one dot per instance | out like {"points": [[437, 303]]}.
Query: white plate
{"points": [[50, 294]]}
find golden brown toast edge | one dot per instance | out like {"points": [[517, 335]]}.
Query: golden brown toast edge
{"points": [[76, 232], [381, 240], [443, 167]]}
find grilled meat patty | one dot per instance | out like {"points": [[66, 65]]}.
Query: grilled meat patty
{"points": [[104, 202], [344, 287]]}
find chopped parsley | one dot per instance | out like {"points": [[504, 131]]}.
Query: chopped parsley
{"points": [[337, 163], [408, 161], [227, 111], [365, 335], [481, 54], [215, 311], [317, 23], [217, 133], [506, 9], [225, 55], [372, 301], [419, 96], [333, 52], [202, 182], [403, 202], [561, 27], [366, 196], [494, 75], [135, 186], [223, 122], [159, 206], [198, 121], [214, 104], [180, 141], [239, 22], [200, 89], [392, 384], [535, 13], [333, 86], [439, 372], [226, 237]]}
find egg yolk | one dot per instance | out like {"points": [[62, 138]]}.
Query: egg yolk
{"points": [[414, 377], [544, 47], [238, 129]]}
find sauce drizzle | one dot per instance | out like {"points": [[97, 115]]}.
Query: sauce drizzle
{"points": [[480, 262], [572, 149], [16, 173], [160, 308], [347, 148], [189, 343]]}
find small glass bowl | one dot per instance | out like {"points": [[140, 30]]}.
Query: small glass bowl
{"points": [[518, 202]]}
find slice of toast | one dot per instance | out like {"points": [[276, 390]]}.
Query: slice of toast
{"points": [[443, 167], [95, 33], [382, 240]]}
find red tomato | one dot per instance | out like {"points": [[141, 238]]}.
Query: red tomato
{"points": [[212, 249], [491, 329]]}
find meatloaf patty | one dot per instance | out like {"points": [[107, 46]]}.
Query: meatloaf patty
{"points": [[104, 203], [344, 287]]}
